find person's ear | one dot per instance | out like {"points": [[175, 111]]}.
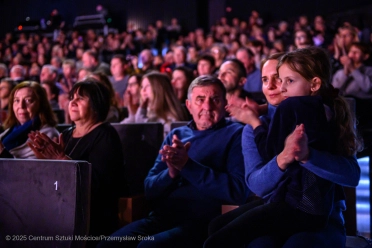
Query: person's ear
{"points": [[188, 105], [242, 81], [365, 57], [315, 84]]}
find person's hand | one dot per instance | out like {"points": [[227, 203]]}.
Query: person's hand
{"points": [[338, 46], [347, 63], [237, 101], [302, 154], [118, 98], [129, 103], [244, 111], [134, 62], [46, 148], [295, 148], [175, 156]]}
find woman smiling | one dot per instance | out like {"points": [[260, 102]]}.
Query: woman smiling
{"points": [[28, 110]]}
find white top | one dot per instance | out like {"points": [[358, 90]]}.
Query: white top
{"points": [[24, 151]]}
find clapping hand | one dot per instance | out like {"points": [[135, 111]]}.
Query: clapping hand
{"points": [[175, 156], [245, 111], [295, 148], [46, 148], [128, 102]]}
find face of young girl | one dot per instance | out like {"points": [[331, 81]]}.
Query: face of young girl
{"points": [[293, 84]]}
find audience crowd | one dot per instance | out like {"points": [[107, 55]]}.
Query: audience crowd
{"points": [[72, 55], [144, 75]]}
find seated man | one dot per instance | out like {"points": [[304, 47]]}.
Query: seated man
{"points": [[355, 80], [199, 168], [233, 76]]}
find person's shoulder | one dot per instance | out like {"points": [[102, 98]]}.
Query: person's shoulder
{"points": [[68, 131], [49, 130], [368, 69], [256, 72], [247, 128], [103, 64], [300, 104], [3, 133], [339, 72], [296, 100], [104, 131], [105, 127], [233, 125], [184, 130]]}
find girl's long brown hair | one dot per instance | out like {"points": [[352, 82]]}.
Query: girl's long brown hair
{"points": [[314, 62]]}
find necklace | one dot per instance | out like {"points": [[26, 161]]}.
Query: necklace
{"points": [[73, 149], [77, 142]]}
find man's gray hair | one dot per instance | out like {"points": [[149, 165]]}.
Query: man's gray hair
{"points": [[183, 50], [20, 70], [206, 80], [51, 68]]}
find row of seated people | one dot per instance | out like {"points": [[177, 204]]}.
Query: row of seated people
{"points": [[176, 210], [31, 123], [354, 85], [93, 140]]}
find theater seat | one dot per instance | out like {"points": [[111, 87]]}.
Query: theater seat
{"points": [[44, 199], [141, 143], [132, 208]]}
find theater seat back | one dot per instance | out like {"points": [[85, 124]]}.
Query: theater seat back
{"points": [[141, 144], [42, 200]]}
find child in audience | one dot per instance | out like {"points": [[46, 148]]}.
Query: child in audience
{"points": [[302, 200]]}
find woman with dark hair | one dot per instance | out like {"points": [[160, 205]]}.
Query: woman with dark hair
{"points": [[29, 110], [182, 77], [132, 95], [93, 140], [114, 111]]}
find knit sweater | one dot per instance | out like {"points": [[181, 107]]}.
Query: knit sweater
{"points": [[212, 176]]}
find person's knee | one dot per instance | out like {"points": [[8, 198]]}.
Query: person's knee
{"points": [[214, 226]]}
